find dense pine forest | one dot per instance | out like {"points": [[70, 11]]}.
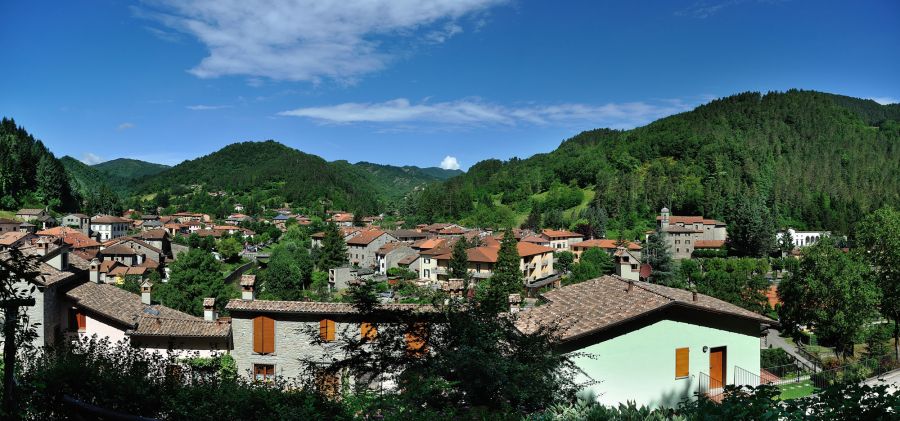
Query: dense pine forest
{"points": [[804, 159], [29, 173]]}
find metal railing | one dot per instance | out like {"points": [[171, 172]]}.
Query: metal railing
{"points": [[712, 388]]}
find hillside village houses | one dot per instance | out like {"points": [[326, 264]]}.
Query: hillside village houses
{"points": [[648, 343]]}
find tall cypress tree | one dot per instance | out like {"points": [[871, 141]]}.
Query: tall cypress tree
{"points": [[334, 248], [507, 276], [459, 260]]}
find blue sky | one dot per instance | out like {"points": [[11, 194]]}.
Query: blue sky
{"points": [[410, 82]]}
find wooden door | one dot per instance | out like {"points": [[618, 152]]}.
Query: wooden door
{"points": [[717, 360]]}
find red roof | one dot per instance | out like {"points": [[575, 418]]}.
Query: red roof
{"points": [[604, 244], [561, 234], [488, 254], [342, 217], [365, 237]]}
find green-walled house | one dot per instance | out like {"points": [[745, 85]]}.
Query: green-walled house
{"points": [[651, 344]]}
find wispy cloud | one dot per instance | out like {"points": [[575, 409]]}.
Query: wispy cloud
{"points": [[167, 36], [90, 158], [309, 40], [201, 107], [125, 126], [705, 8], [450, 163], [885, 100], [476, 112]]}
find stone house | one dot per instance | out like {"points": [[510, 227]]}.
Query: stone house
{"points": [[9, 225], [361, 248], [650, 344], [30, 215], [79, 221], [279, 338], [389, 255], [684, 234]]}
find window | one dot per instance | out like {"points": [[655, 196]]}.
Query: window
{"points": [[263, 372], [682, 362], [368, 331], [326, 330], [427, 273], [327, 383], [427, 261], [263, 335]]}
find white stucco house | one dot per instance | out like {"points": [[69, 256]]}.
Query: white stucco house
{"points": [[650, 344], [802, 238]]}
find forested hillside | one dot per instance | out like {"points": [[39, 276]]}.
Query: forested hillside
{"points": [[395, 182], [29, 173], [807, 159], [294, 176], [130, 168], [99, 192]]}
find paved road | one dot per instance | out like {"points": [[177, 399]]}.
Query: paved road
{"points": [[891, 378], [776, 341]]}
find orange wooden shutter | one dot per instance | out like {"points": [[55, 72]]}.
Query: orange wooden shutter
{"points": [[258, 335], [415, 339], [268, 328], [368, 332], [82, 321], [326, 330], [682, 362]]}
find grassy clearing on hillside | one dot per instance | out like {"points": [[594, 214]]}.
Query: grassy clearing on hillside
{"points": [[589, 195], [8, 214]]}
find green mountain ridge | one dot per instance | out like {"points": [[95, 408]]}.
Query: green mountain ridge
{"points": [[128, 168], [816, 160]]}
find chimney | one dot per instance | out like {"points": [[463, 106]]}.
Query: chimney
{"points": [[694, 295], [514, 300], [94, 272], [43, 246], [209, 309], [248, 284], [630, 286], [146, 287]]}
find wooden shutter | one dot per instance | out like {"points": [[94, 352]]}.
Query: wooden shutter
{"points": [[368, 331], [682, 362], [415, 339], [326, 330], [82, 321], [263, 335]]}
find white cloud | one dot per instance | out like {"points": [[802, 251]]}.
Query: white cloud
{"points": [[309, 40], [206, 107], [885, 100], [450, 163], [125, 126], [475, 112], [90, 158]]}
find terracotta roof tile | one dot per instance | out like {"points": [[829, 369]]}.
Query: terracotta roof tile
{"points": [[365, 237], [601, 303], [311, 307], [709, 244], [561, 234], [604, 244]]}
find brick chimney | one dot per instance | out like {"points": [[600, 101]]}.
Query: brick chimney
{"points": [[248, 287], [146, 288], [209, 309]]}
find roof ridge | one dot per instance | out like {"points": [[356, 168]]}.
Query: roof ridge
{"points": [[638, 284]]}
